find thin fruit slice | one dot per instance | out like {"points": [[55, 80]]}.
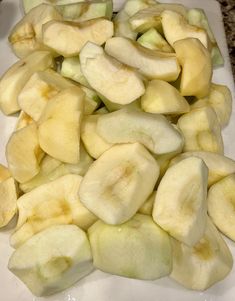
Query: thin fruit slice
{"points": [[162, 98], [122, 27], [152, 130], [221, 201], [59, 125], [201, 266], [13, 81], [152, 64], [23, 121], [4, 173], [113, 188], [147, 207], [68, 38], [52, 260], [180, 206], [53, 203], [115, 81], [24, 154], [136, 249], [29, 4], [201, 131], [131, 7]]}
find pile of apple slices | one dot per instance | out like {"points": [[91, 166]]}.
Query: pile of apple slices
{"points": [[116, 161]]}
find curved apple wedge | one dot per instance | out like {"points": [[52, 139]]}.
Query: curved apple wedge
{"points": [[113, 188], [136, 249], [201, 266], [180, 206], [52, 260]]}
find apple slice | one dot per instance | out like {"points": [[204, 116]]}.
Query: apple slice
{"points": [[59, 125], [162, 98], [150, 63], [68, 38], [201, 266], [13, 81], [113, 188], [29, 4], [131, 7], [136, 249], [53, 203], [8, 198], [101, 111], [152, 130], [201, 131], [180, 206], [4, 173], [24, 154], [122, 27], [23, 121], [26, 35], [147, 207], [196, 67], [92, 100], [52, 260], [115, 81]]}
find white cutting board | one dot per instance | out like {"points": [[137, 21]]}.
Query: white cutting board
{"points": [[100, 286]]}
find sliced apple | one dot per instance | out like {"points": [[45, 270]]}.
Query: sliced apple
{"points": [[196, 67], [117, 82], [180, 206], [52, 260], [162, 98], [131, 7], [13, 81], [23, 120], [113, 188], [122, 27], [101, 111], [68, 38], [59, 125], [152, 64], [26, 35], [4, 173], [136, 249], [152, 130], [147, 207], [29, 4], [92, 100], [201, 266], [53, 203], [201, 131], [24, 154]]}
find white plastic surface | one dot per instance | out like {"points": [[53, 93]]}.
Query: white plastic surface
{"points": [[100, 286]]}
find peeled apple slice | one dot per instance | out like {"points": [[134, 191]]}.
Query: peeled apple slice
{"points": [[4, 173], [23, 121], [180, 206], [201, 131], [113, 188], [221, 202], [219, 166], [23, 153], [131, 7], [112, 79], [122, 27], [13, 81], [152, 130], [53, 203], [68, 38], [162, 98], [59, 125], [152, 64], [136, 249], [201, 266], [52, 260], [29, 4], [147, 207]]}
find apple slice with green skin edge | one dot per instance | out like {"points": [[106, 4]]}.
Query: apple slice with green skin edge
{"points": [[52, 260], [26, 35], [8, 200], [92, 100], [14, 79], [23, 153], [220, 99], [162, 98], [153, 40], [201, 266], [68, 38], [141, 249], [62, 115], [152, 130], [29, 4], [196, 65], [53, 203], [122, 27], [201, 131], [147, 207], [176, 27], [101, 111], [109, 77], [221, 205], [4, 173], [131, 7], [180, 206], [150, 63], [113, 188]]}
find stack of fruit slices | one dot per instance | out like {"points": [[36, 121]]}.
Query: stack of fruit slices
{"points": [[135, 183]]}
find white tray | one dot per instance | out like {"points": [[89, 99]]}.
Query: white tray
{"points": [[100, 286]]}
